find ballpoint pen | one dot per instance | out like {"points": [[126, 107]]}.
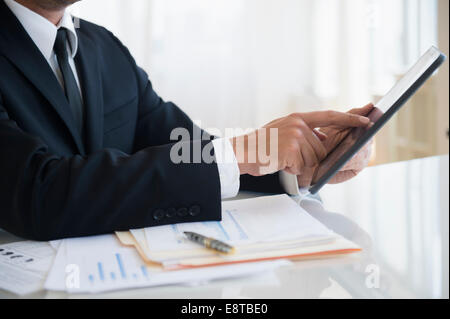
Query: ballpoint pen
{"points": [[210, 242]]}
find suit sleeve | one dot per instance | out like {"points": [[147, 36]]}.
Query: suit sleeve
{"points": [[154, 128], [157, 118], [44, 196], [262, 184]]}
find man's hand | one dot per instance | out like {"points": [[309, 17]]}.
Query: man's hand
{"points": [[354, 166], [335, 134], [331, 136], [290, 143]]}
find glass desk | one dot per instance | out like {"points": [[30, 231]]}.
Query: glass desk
{"points": [[398, 213]]}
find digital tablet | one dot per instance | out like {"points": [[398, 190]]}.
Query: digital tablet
{"points": [[380, 115]]}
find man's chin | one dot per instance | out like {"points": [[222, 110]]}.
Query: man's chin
{"points": [[54, 4]]}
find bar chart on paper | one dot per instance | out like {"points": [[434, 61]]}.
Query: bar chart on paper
{"points": [[120, 273], [120, 267], [103, 264]]}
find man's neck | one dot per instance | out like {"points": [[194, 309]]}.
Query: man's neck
{"points": [[54, 16]]}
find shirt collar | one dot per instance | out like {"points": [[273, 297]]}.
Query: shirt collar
{"points": [[42, 31]]}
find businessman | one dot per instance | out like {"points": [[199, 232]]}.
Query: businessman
{"points": [[85, 143]]}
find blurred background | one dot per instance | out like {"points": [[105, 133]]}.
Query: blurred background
{"points": [[242, 63]]}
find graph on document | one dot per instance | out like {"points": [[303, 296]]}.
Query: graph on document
{"points": [[117, 269], [228, 230]]}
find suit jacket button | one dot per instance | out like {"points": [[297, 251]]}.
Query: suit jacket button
{"points": [[194, 210], [171, 212], [182, 212], [158, 214]]}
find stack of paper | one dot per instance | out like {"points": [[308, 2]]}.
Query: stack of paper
{"points": [[265, 232], [263, 228], [24, 266], [101, 263]]}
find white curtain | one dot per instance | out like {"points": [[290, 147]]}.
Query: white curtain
{"points": [[240, 63]]}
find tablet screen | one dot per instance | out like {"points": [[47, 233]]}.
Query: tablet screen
{"points": [[380, 115]]}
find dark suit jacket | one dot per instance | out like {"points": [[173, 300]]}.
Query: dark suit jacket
{"points": [[53, 184]]}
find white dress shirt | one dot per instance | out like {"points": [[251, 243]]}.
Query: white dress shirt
{"points": [[43, 33]]}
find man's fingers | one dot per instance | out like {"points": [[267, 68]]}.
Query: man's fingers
{"points": [[296, 164], [361, 159], [328, 118], [343, 176], [305, 178], [315, 143], [310, 157], [322, 136], [364, 111]]}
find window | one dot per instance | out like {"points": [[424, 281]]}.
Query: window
{"points": [[236, 63]]}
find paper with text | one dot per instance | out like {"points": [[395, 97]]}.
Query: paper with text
{"points": [[24, 266], [100, 263], [266, 220]]}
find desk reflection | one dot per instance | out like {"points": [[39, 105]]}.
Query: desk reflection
{"points": [[340, 277], [398, 214], [404, 207]]}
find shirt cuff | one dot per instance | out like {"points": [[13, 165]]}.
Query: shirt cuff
{"points": [[227, 165]]}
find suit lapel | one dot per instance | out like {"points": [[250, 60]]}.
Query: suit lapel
{"points": [[20, 49], [87, 65]]}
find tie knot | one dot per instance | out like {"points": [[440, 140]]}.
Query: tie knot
{"points": [[60, 43]]}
